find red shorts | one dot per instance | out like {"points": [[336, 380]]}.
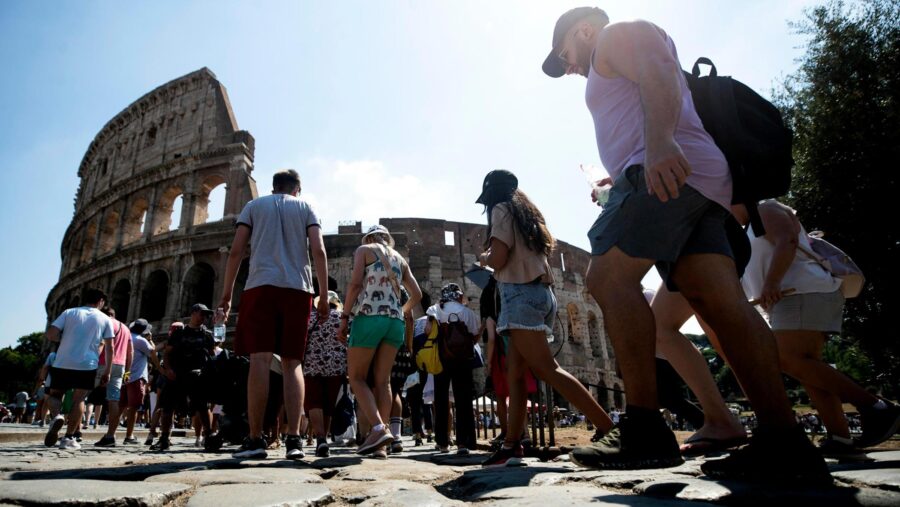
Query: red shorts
{"points": [[273, 319], [133, 394], [498, 377]]}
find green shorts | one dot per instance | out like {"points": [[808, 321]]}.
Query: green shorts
{"points": [[370, 331]]}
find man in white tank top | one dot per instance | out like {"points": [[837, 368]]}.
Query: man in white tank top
{"points": [[677, 187]]}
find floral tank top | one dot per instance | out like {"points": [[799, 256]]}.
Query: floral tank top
{"points": [[378, 296]]}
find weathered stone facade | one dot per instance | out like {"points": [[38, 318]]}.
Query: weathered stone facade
{"points": [[182, 139]]}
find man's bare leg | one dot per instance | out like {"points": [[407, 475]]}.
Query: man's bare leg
{"points": [[294, 391], [614, 280], [709, 282], [258, 391]]}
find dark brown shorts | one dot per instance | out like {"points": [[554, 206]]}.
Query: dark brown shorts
{"points": [[273, 319], [321, 393], [134, 394]]}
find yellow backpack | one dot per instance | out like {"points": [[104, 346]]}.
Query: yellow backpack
{"points": [[428, 355]]}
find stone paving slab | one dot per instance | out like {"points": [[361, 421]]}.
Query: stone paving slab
{"points": [[75, 492], [570, 496], [885, 478], [749, 494], [261, 495], [256, 475], [355, 492], [412, 499]]}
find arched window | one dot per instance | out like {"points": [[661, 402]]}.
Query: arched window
{"points": [[120, 299], [595, 335], [108, 233], [164, 218], [573, 325], [198, 286], [87, 242], [210, 204], [135, 221], [154, 296]]}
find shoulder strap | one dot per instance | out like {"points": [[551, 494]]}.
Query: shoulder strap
{"points": [[385, 262]]}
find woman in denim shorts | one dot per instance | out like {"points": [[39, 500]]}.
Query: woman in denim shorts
{"points": [[518, 244]]}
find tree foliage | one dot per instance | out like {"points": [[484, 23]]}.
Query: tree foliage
{"points": [[843, 104], [19, 366]]}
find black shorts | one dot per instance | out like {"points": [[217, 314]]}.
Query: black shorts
{"points": [[186, 393], [644, 227], [64, 379]]}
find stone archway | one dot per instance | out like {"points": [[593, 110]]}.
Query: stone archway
{"points": [[198, 286], [155, 296], [121, 298]]}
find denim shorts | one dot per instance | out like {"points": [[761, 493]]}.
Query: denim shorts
{"points": [[529, 306], [644, 227], [114, 386]]}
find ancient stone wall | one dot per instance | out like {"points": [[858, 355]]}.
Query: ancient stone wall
{"points": [[180, 141]]}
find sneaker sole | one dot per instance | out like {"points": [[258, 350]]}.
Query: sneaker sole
{"points": [[255, 454], [642, 464], [894, 428], [386, 439], [295, 457], [53, 433]]}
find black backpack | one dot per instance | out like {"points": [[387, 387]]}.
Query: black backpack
{"points": [[456, 343], [750, 132]]}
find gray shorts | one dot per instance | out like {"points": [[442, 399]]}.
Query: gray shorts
{"points": [[816, 311], [643, 227], [529, 306], [114, 386]]}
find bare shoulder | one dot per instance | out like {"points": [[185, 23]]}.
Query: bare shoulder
{"points": [[622, 42]]}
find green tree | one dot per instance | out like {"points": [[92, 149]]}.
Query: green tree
{"points": [[843, 104], [19, 365]]}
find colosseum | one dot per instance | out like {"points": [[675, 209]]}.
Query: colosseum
{"points": [[181, 141]]}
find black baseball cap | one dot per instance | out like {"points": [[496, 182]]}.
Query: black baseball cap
{"points": [[200, 307], [494, 180], [553, 66]]}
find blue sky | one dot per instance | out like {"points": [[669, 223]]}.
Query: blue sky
{"points": [[419, 97]]}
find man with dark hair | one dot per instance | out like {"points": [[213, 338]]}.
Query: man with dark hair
{"points": [[79, 332], [281, 230], [187, 352], [677, 186], [287, 182]]}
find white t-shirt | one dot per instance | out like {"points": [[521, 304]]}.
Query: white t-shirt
{"points": [[279, 251], [142, 351], [465, 314], [82, 330]]}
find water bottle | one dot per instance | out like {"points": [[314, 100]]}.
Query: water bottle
{"points": [[219, 326]]}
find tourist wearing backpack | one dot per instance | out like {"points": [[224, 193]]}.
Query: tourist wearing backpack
{"points": [[668, 206], [458, 328], [518, 243], [378, 329], [804, 304]]}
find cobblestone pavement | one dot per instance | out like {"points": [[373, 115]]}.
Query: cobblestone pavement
{"points": [[36, 475]]}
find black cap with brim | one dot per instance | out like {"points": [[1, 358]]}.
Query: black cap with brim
{"points": [[200, 307], [553, 66], [494, 179]]}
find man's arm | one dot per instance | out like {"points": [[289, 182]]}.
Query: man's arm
{"points": [[320, 258], [129, 356], [638, 51], [235, 256], [53, 334], [782, 230]]}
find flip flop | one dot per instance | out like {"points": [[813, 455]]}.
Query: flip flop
{"points": [[705, 445]]}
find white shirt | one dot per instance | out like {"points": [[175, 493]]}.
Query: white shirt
{"points": [[465, 314], [82, 331]]}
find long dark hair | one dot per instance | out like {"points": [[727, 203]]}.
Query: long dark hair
{"points": [[528, 220]]}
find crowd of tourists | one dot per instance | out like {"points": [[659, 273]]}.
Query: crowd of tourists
{"points": [[667, 203]]}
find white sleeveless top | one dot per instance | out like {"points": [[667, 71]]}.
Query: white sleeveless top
{"points": [[378, 296], [804, 275]]}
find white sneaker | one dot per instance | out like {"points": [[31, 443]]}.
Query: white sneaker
{"points": [[69, 443], [198, 442]]}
